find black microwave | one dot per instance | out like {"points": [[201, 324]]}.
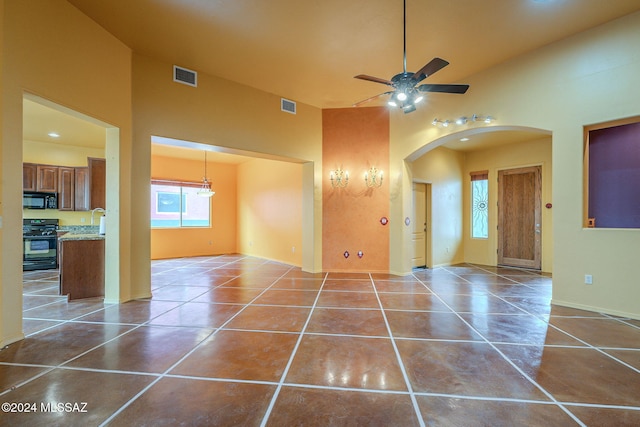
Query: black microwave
{"points": [[39, 200]]}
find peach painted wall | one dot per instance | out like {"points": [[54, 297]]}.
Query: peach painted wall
{"points": [[355, 140], [270, 210], [220, 238]]}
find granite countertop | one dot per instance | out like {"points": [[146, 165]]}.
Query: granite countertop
{"points": [[79, 232], [78, 236]]}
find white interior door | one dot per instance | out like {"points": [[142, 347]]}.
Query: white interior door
{"points": [[419, 231]]}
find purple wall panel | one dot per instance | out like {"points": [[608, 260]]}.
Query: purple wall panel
{"points": [[614, 176]]}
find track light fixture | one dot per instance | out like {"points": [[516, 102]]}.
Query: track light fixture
{"points": [[463, 120]]}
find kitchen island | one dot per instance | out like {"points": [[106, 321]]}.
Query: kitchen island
{"points": [[81, 265]]}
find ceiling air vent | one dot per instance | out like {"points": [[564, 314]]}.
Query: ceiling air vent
{"points": [[287, 106], [185, 76]]}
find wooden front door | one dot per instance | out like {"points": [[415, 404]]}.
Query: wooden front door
{"points": [[519, 217], [419, 231]]}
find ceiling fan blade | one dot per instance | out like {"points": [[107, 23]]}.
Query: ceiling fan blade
{"points": [[371, 99], [460, 89], [373, 79], [436, 64]]}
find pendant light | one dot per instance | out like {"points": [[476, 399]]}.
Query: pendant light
{"points": [[205, 190]]}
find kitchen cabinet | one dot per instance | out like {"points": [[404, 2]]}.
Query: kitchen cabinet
{"points": [[82, 193], [79, 188], [47, 178], [66, 186], [97, 182], [29, 176], [81, 267]]}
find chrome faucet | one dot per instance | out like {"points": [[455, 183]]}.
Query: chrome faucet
{"points": [[94, 211]]}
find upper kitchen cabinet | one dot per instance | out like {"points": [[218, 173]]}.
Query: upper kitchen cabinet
{"points": [[97, 182], [47, 178], [39, 178], [66, 185], [82, 187], [29, 176]]}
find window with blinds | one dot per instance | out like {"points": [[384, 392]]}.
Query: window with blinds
{"points": [[176, 205]]}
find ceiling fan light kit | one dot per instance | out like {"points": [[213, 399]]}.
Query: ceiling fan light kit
{"points": [[406, 94]]}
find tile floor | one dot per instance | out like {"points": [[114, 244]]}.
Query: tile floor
{"points": [[233, 340]]}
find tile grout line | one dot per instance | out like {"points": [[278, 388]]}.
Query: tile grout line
{"points": [[76, 320], [282, 383], [285, 372], [585, 343], [190, 352], [414, 401], [542, 389]]}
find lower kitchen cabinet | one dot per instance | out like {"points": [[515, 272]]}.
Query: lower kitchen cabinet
{"points": [[81, 267]]}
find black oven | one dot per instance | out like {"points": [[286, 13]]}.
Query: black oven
{"points": [[40, 244]]}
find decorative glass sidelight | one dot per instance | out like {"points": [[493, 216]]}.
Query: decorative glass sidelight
{"points": [[479, 205]]}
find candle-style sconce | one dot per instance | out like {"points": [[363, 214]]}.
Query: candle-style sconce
{"points": [[339, 178], [373, 178]]}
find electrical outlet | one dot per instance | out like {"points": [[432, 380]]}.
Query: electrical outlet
{"points": [[588, 279], [293, 249]]}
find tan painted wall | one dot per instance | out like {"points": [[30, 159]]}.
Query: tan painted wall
{"points": [[444, 170], [589, 78], [270, 210], [40, 52], [531, 153], [218, 239], [58, 154], [223, 114], [10, 326]]}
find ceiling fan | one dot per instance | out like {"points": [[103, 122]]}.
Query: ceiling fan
{"points": [[406, 94]]}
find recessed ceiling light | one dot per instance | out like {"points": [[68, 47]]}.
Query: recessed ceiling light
{"points": [[53, 135], [464, 139]]}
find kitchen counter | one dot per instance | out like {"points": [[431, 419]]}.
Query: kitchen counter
{"points": [[88, 236]]}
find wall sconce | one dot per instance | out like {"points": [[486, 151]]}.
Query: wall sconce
{"points": [[463, 120], [339, 178], [373, 178]]}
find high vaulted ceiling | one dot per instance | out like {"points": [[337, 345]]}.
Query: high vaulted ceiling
{"points": [[309, 50]]}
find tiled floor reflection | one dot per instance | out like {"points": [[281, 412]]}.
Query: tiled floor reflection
{"points": [[234, 340]]}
